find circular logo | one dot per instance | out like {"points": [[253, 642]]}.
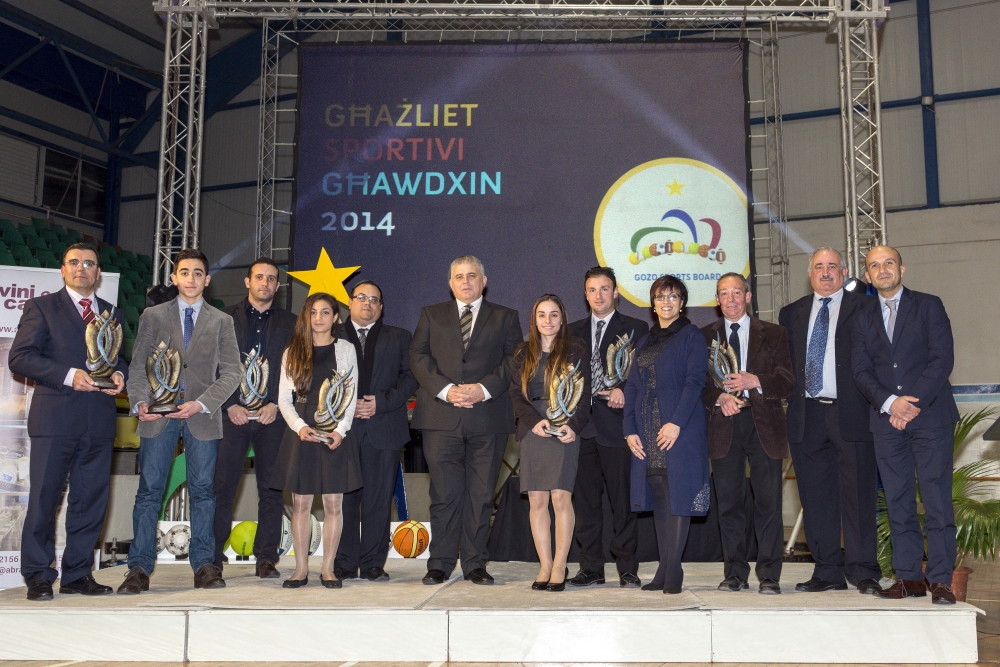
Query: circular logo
{"points": [[673, 216]]}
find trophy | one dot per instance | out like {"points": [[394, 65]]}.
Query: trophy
{"points": [[722, 361], [163, 372], [253, 384], [335, 395], [621, 353], [564, 396], [104, 340]]}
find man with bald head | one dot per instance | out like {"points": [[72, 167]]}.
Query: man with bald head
{"points": [[903, 355], [828, 431]]}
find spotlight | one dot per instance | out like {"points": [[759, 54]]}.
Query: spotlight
{"points": [[854, 285]]}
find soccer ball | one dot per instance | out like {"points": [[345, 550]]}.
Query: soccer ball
{"points": [[178, 540], [285, 545], [159, 540]]}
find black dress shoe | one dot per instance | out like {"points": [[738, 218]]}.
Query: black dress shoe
{"points": [[434, 577], [733, 584], [817, 585], [653, 586], [209, 576], [345, 574], [539, 585], [586, 578], [629, 580], [769, 587], [297, 583], [375, 574], [869, 587], [39, 590], [136, 581], [479, 576], [330, 583], [85, 585], [267, 570]]}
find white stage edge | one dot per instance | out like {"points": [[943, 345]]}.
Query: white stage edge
{"points": [[254, 620]]}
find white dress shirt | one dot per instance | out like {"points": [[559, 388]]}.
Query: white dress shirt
{"points": [[885, 323], [593, 327], [743, 333], [75, 298], [829, 389], [443, 394]]}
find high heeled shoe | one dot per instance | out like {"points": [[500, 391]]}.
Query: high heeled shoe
{"points": [[539, 585], [294, 583], [561, 586]]}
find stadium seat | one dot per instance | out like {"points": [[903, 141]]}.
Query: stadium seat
{"points": [[7, 225], [30, 261], [133, 276], [47, 259], [39, 223], [13, 237], [7, 259], [58, 249], [72, 236], [218, 303], [36, 243], [125, 286], [27, 230], [131, 314], [137, 300], [21, 252]]}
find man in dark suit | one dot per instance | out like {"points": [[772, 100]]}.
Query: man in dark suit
{"points": [[747, 423], [903, 355], [385, 384], [460, 356], [605, 461], [828, 432], [259, 325], [71, 424]]}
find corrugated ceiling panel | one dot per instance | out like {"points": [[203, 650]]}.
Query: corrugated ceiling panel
{"points": [[903, 157], [138, 181], [136, 223], [968, 138], [898, 54], [52, 112], [813, 172], [229, 226], [808, 69], [18, 170], [966, 48], [137, 15], [231, 150]]}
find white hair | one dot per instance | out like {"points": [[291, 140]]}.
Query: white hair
{"points": [[826, 248], [466, 259]]}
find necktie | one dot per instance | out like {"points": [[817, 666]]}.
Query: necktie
{"points": [[596, 369], [466, 324], [891, 324], [734, 342], [88, 314], [188, 326], [816, 352], [362, 337]]}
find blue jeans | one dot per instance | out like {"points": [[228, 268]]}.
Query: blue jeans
{"points": [[155, 457]]}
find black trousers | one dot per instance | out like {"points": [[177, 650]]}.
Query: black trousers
{"points": [[671, 534], [464, 467], [838, 487], [233, 447], [87, 461], [929, 452], [371, 507], [600, 468], [730, 489]]}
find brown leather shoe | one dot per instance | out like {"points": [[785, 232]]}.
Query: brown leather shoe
{"points": [[903, 588], [941, 593], [209, 576], [267, 570], [136, 581]]}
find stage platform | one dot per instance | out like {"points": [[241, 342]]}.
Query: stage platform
{"points": [[405, 621]]}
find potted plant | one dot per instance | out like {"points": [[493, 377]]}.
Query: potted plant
{"points": [[977, 517]]}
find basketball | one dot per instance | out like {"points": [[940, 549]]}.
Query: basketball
{"points": [[410, 539], [241, 539]]}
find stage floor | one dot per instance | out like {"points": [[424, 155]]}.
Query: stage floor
{"points": [[403, 620]]}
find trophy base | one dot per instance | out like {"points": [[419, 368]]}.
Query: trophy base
{"points": [[162, 409], [323, 439], [554, 432], [253, 418], [103, 383]]}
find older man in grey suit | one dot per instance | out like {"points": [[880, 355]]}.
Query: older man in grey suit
{"points": [[210, 373]]}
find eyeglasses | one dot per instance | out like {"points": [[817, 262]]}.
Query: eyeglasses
{"points": [[672, 297], [74, 263], [363, 298]]}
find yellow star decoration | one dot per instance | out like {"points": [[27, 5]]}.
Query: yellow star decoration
{"points": [[326, 278], [675, 188]]}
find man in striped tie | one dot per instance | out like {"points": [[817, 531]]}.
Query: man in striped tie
{"points": [[460, 355], [72, 427]]}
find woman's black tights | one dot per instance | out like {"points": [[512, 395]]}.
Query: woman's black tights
{"points": [[671, 534]]}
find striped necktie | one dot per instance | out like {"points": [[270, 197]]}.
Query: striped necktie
{"points": [[596, 369], [362, 338], [466, 324], [88, 314]]}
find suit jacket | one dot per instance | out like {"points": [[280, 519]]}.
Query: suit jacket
{"points": [[767, 358], [605, 422], [50, 341], [210, 370], [851, 405], [280, 325], [527, 415], [916, 363], [437, 359], [391, 383]]}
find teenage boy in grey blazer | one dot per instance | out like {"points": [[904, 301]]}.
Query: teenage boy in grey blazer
{"points": [[210, 373]]}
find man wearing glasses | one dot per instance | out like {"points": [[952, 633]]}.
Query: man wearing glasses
{"points": [[262, 326], [71, 425], [385, 384]]}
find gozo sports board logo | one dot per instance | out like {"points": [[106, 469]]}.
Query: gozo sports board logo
{"points": [[673, 216]]}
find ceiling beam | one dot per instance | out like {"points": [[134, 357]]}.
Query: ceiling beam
{"points": [[114, 23]]}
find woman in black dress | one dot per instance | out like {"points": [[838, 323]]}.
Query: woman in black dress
{"points": [[306, 464], [548, 463]]}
